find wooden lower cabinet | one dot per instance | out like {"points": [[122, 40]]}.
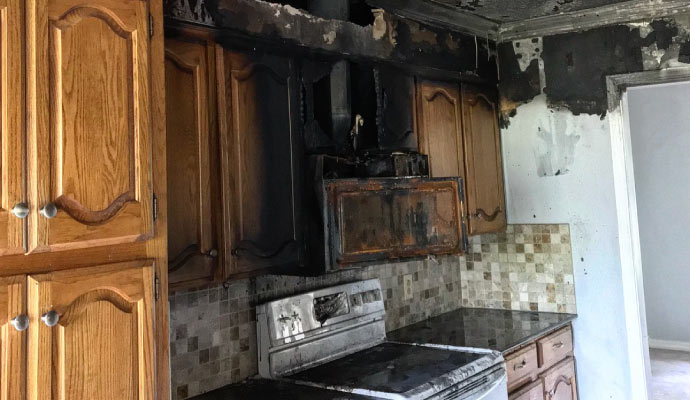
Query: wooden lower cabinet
{"points": [[543, 369], [89, 334], [559, 381], [13, 325]]}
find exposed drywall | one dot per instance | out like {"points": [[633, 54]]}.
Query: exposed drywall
{"points": [[659, 120], [573, 66], [584, 198]]}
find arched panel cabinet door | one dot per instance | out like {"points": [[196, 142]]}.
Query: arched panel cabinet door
{"points": [[261, 169], [193, 255], [14, 324], [486, 204], [92, 333], [89, 123], [13, 206], [559, 381]]}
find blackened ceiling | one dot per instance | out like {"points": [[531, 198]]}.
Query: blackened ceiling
{"points": [[517, 10]]}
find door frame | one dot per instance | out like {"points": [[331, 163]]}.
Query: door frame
{"points": [[628, 227]]}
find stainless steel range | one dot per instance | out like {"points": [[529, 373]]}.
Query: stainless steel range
{"points": [[335, 338]]}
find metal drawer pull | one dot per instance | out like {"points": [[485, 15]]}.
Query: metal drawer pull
{"points": [[558, 345], [20, 210], [49, 210], [520, 366], [20, 322], [50, 318]]}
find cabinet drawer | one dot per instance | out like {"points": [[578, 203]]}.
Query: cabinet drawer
{"points": [[535, 391], [521, 364], [555, 347]]}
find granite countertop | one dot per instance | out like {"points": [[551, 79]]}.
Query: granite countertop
{"points": [[268, 389], [499, 330]]}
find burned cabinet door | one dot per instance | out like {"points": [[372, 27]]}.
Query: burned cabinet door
{"points": [[325, 103], [262, 148], [379, 219], [439, 118], [396, 110], [191, 134], [484, 165]]}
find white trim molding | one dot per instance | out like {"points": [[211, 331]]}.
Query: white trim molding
{"points": [[619, 13], [628, 228], [669, 345]]}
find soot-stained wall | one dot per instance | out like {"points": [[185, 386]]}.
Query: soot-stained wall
{"points": [[571, 68]]}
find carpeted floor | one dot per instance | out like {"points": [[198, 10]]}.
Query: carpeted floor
{"points": [[670, 374]]}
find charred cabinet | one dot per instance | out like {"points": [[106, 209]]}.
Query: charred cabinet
{"points": [[380, 219], [458, 130], [192, 162], [396, 110], [261, 156]]}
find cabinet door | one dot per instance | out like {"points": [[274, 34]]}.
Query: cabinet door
{"points": [[559, 381], [484, 166], [100, 344], [440, 128], [263, 154], [396, 120], [90, 152], [13, 325], [189, 92], [11, 127]]}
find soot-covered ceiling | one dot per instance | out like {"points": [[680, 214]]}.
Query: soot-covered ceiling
{"points": [[517, 10]]}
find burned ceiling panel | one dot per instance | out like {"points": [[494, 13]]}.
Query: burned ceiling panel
{"points": [[574, 66], [517, 10]]}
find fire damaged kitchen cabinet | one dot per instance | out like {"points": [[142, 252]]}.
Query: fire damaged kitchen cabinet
{"points": [[192, 159], [89, 123], [396, 110], [382, 219], [261, 147], [458, 130]]}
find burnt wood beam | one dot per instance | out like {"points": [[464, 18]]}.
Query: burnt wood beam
{"points": [[391, 39], [440, 15]]}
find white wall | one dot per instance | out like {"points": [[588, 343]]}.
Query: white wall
{"points": [[559, 169], [660, 136]]}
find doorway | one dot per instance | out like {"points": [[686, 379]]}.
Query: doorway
{"points": [[650, 137]]}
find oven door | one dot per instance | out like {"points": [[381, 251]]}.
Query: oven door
{"points": [[489, 385]]}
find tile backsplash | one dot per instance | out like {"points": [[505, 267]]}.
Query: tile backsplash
{"points": [[527, 268], [213, 332]]}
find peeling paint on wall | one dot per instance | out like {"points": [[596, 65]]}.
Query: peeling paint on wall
{"points": [[555, 154]]}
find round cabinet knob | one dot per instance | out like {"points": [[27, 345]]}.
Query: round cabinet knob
{"points": [[50, 318], [213, 253], [49, 210], [20, 210], [20, 322]]}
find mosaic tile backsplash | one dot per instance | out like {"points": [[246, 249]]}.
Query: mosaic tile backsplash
{"points": [[213, 332], [527, 268]]}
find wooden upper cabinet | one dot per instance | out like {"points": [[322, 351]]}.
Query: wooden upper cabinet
{"points": [[486, 204], [440, 128], [458, 130], [396, 120], [100, 344], [89, 123], [13, 328], [11, 127], [261, 147], [191, 134]]}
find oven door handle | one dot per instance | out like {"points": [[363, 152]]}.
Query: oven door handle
{"points": [[497, 390]]}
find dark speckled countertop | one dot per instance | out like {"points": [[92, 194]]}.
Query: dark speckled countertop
{"points": [[499, 330], [259, 389]]}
